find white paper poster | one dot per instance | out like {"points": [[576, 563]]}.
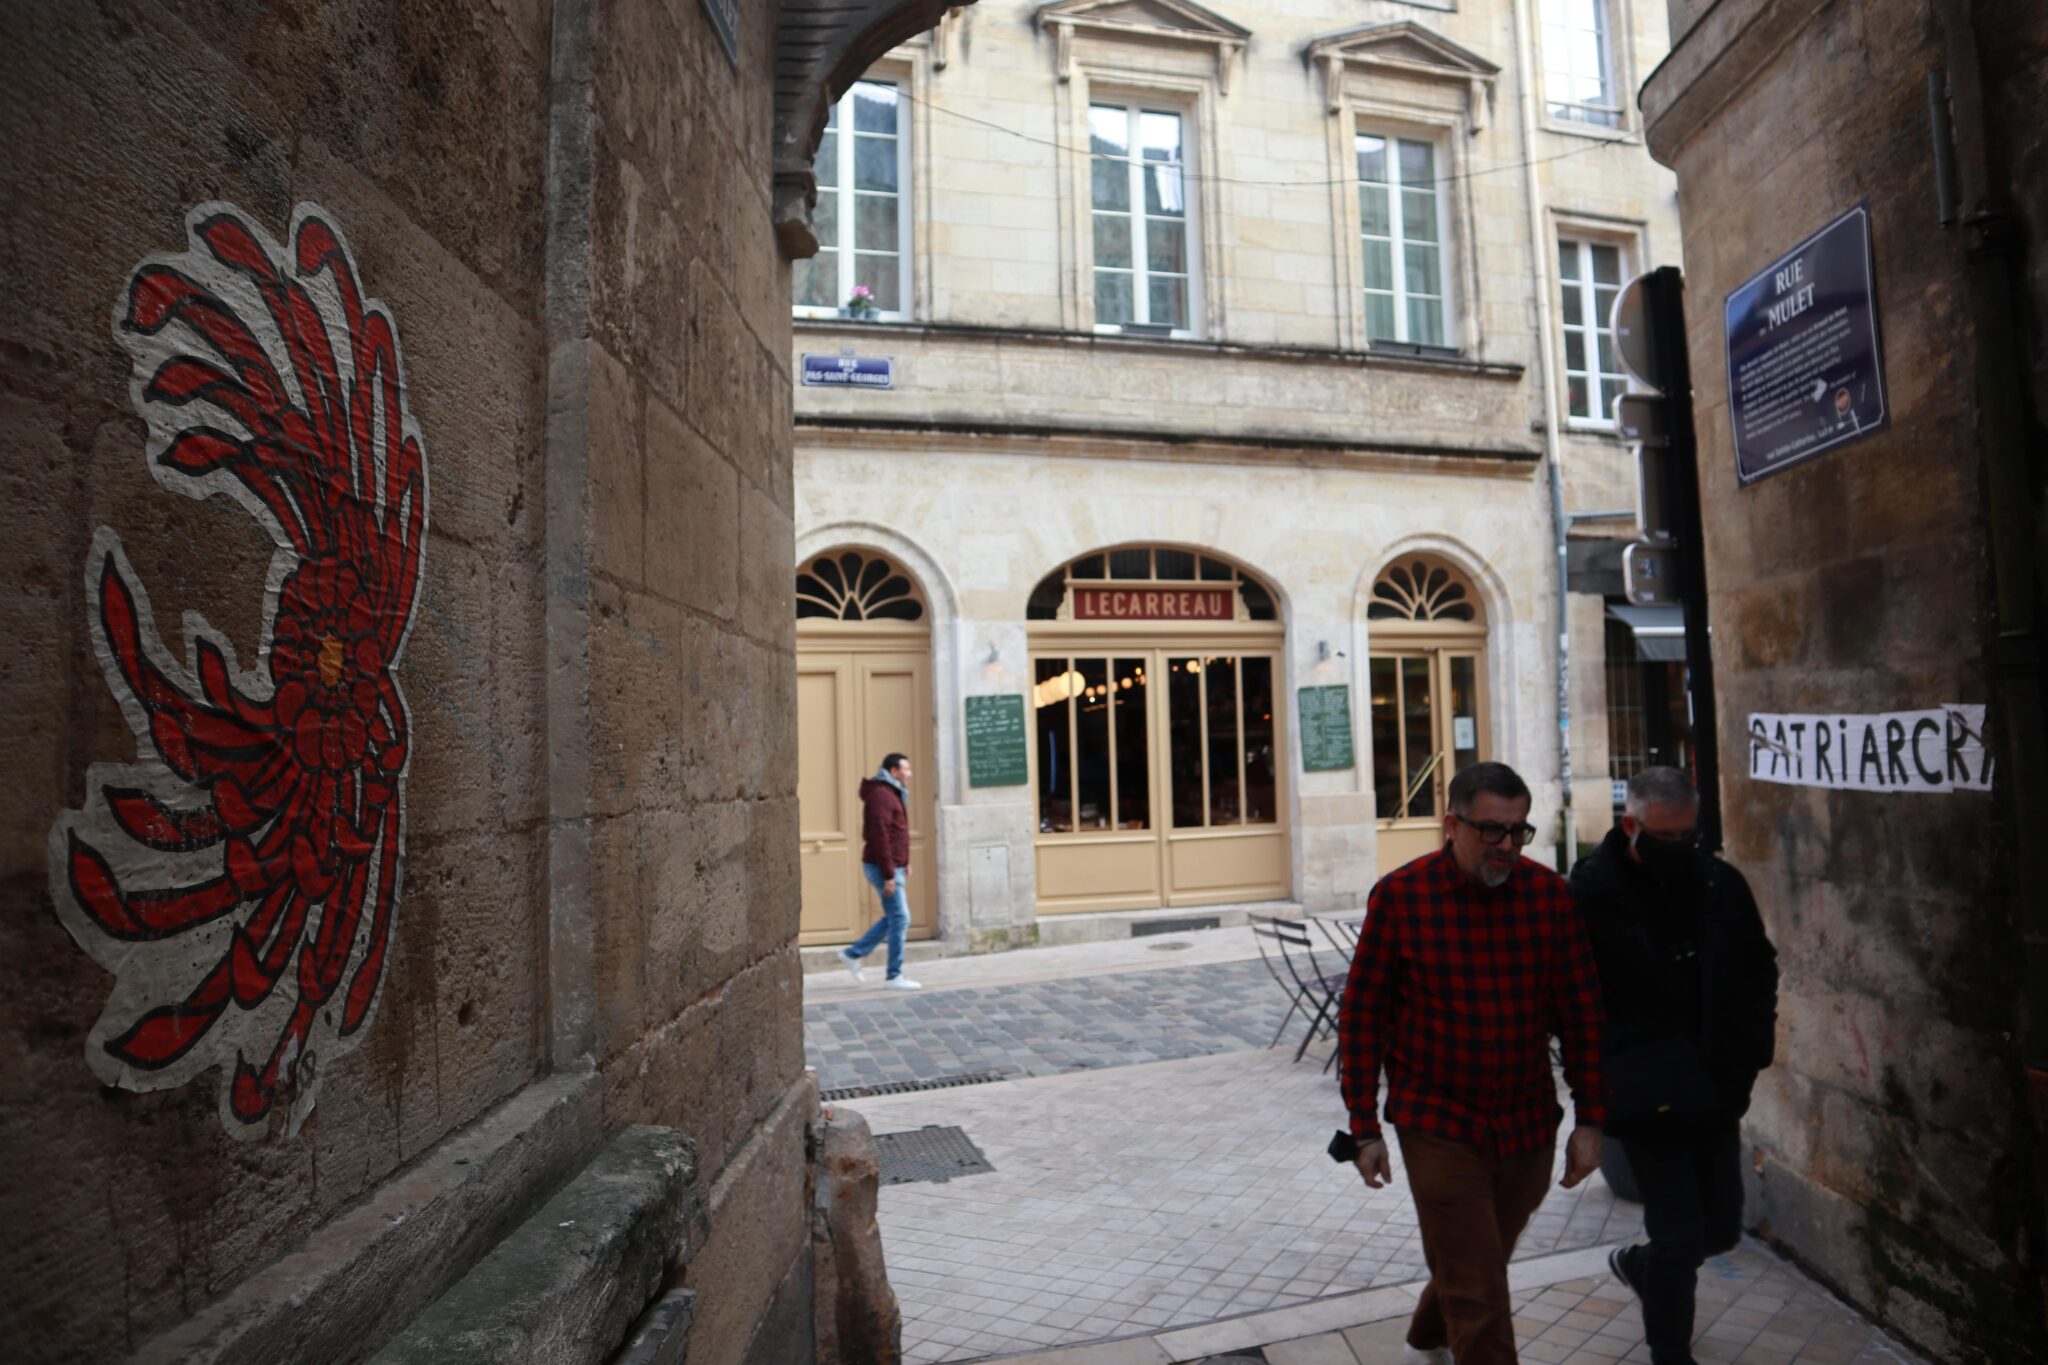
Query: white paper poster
{"points": [[1940, 749]]}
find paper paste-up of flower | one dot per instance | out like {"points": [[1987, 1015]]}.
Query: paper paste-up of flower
{"points": [[241, 878]]}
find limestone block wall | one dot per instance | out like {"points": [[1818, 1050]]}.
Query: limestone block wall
{"points": [[685, 641], [565, 209], [994, 110], [1890, 1144], [420, 129]]}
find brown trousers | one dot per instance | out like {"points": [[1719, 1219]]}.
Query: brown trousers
{"points": [[1472, 1205]]}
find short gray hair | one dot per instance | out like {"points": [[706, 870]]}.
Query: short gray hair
{"points": [[1661, 786]]}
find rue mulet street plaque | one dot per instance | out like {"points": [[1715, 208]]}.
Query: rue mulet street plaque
{"points": [[1805, 372]]}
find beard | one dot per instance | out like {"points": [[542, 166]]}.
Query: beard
{"points": [[1492, 875]]}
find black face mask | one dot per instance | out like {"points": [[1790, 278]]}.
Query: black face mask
{"points": [[1668, 861]]}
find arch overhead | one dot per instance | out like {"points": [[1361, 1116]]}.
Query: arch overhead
{"points": [[821, 49]]}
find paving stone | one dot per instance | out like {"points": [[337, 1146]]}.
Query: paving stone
{"points": [[1045, 1028]]}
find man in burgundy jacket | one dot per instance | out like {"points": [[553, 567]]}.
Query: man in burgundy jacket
{"points": [[885, 858], [1471, 957]]}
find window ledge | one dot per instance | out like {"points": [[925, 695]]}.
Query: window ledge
{"points": [[1591, 131], [1586, 431], [1447, 361]]}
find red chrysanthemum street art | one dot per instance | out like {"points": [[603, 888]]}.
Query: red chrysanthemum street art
{"points": [[241, 878]]}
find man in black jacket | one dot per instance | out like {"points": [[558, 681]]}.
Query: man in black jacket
{"points": [[1691, 987]]}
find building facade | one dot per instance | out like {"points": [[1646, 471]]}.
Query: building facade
{"points": [[1231, 353], [1900, 1144]]}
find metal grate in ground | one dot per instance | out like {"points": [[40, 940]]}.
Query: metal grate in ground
{"points": [[861, 1092], [930, 1153]]}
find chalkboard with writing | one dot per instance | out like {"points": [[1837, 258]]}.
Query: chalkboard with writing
{"points": [[1326, 728], [997, 752]]}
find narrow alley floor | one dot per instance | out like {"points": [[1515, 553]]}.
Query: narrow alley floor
{"points": [[1160, 1190]]}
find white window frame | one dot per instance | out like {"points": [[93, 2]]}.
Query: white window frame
{"points": [[847, 257], [1397, 237], [1572, 114], [1135, 108], [1593, 326]]}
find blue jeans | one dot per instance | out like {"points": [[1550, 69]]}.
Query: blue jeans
{"points": [[895, 920]]}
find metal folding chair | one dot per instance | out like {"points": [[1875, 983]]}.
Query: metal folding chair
{"points": [[1315, 993], [1343, 935], [1263, 933]]}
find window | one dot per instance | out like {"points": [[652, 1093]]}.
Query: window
{"points": [[1400, 216], [1576, 84], [1096, 729], [862, 219], [1590, 273], [1138, 191], [853, 586], [1147, 567]]}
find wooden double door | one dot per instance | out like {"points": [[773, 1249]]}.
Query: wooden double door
{"points": [[861, 695]]}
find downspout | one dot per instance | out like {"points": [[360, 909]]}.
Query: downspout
{"points": [[1546, 374]]}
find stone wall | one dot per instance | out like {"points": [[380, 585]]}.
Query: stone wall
{"points": [[421, 130], [677, 344], [1890, 1145], [566, 210]]}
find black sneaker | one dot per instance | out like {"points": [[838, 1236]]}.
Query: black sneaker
{"points": [[1617, 1261]]}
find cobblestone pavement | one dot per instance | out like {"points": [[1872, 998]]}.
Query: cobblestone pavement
{"points": [[1044, 1028], [1753, 1309], [1155, 1196]]}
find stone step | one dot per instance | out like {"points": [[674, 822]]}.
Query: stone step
{"points": [[567, 1285]]}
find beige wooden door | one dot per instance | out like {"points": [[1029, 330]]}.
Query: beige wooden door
{"points": [[853, 706], [1428, 722]]}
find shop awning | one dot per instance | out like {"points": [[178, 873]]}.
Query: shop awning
{"points": [[1659, 631]]}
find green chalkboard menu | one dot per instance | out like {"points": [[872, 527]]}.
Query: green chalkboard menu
{"points": [[1326, 728], [997, 752]]}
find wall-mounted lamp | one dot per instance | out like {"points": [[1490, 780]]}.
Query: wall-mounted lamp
{"points": [[994, 655], [1323, 652]]}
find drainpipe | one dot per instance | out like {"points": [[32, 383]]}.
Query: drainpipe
{"points": [[1546, 370]]}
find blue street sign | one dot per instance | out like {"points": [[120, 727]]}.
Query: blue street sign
{"points": [[1805, 370], [725, 22], [850, 371]]}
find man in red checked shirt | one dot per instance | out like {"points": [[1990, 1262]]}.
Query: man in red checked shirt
{"points": [[1471, 957]]}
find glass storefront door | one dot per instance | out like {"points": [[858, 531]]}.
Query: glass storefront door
{"points": [[1428, 722], [1157, 775]]}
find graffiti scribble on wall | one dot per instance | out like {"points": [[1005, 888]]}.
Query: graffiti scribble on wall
{"points": [[241, 878]]}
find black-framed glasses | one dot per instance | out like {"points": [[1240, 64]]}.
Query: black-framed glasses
{"points": [[1493, 831], [1683, 838]]}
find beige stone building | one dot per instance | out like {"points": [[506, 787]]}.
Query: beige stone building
{"points": [[1230, 352]]}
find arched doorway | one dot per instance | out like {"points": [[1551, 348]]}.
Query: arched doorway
{"points": [[1158, 748], [1427, 673], [864, 689]]}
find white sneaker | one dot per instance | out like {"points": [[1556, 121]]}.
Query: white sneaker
{"points": [[1413, 1355], [901, 983], [852, 965]]}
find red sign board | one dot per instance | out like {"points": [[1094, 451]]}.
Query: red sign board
{"points": [[1154, 604]]}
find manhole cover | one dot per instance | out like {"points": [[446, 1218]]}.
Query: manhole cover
{"points": [[1170, 946], [929, 1153]]}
